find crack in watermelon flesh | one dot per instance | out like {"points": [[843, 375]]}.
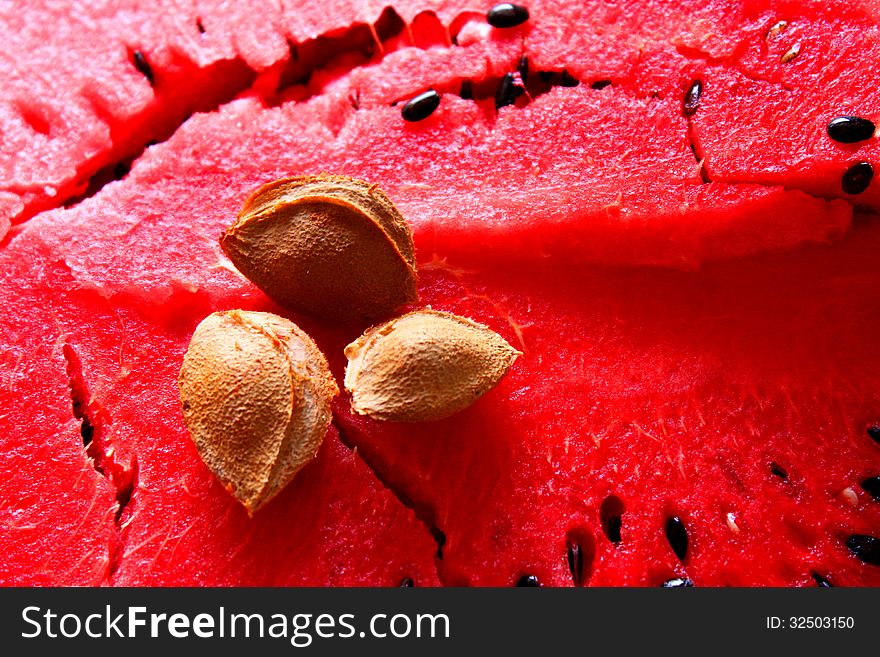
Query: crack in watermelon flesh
{"points": [[141, 508], [703, 422], [66, 134]]}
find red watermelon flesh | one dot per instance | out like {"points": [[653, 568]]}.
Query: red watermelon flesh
{"points": [[56, 512], [78, 100], [735, 398], [636, 205], [97, 107], [641, 206], [137, 506]]}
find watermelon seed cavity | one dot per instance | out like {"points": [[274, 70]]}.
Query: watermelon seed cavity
{"points": [[865, 547], [677, 535], [581, 552], [778, 470], [509, 89], [523, 68], [143, 66], [874, 433], [871, 485], [407, 583], [822, 582]]}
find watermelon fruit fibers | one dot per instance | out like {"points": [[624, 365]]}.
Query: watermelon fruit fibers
{"points": [[698, 396]]}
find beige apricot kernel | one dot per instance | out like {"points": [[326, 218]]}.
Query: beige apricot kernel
{"points": [[330, 246], [425, 365], [256, 393]]}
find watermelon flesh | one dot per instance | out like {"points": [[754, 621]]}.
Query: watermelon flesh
{"points": [[734, 395], [136, 506], [62, 130], [690, 390]]}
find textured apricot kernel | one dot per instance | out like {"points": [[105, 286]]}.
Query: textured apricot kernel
{"points": [[255, 392], [330, 246], [425, 365]]}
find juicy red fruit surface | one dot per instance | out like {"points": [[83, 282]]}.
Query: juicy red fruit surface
{"points": [[136, 506], [679, 394], [733, 398]]}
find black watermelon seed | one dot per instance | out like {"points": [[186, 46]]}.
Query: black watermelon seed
{"points": [[677, 536], [821, 582], [778, 470], [872, 487], [507, 15], [865, 547], [142, 65], [857, 178], [850, 129], [874, 433], [600, 84], [407, 583], [528, 581], [508, 91], [692, 98], [421, 107], [677, 583]]}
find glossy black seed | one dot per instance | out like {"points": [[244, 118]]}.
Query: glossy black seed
{"points": [[528, 581], [576, 563], [600, 84], [407, 583], [677, 583], [507, 15], [692, 98], [850, 129], [865, 547], [508, 91], [872, 487], [676, 534], [874, 433], [857, 178], [778, 470], [142, 65], [421, 107], [821, 582]]}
